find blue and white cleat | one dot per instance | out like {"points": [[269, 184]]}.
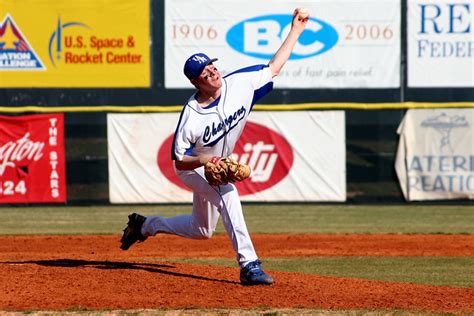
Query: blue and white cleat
{"points": [[252, 274]]}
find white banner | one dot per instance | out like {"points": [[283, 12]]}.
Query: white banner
{"points": [[346, 44], [294, 156], [440, 43], [435, 156]]}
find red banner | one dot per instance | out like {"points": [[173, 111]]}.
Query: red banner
{"points": [[32, 160]]}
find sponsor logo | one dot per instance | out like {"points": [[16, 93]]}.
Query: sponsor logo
{"points": [[267, 153], [444, 124], [15, 51], [19, 151], [448, 169], [32, 159], [261, 37], [444, 30], [74, 43]]}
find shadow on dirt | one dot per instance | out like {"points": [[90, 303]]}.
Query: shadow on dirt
{"points": [[110, 265]]}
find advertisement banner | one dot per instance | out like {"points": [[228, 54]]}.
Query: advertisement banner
{"points": [[440, 40], [62, 43], [435, 156], [338, 49], [32, 160], [287, 164]]}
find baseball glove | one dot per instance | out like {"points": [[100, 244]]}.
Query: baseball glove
{"points": [[222, 170]]}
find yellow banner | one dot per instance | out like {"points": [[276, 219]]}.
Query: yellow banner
{"points": [[64, 43]]}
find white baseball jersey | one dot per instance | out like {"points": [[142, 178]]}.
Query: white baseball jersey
{"points": [[215, 129]]}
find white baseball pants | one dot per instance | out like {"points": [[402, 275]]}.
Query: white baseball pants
{"points": [[208, 203]]}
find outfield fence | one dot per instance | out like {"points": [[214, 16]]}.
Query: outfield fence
{"points": [[412, 55]]}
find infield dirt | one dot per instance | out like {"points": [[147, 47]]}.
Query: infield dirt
{"points": [[91, 272]]}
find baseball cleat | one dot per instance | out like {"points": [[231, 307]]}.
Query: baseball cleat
{"points": [[252, 274], [133, 232]]}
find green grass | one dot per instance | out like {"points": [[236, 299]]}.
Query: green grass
{"points": [[280, 218]]}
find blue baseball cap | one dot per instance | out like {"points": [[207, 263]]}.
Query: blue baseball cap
{"points": [[195, 64]]}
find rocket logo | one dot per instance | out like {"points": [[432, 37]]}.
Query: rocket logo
{"points": [[55, 48], [15, 51]]}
